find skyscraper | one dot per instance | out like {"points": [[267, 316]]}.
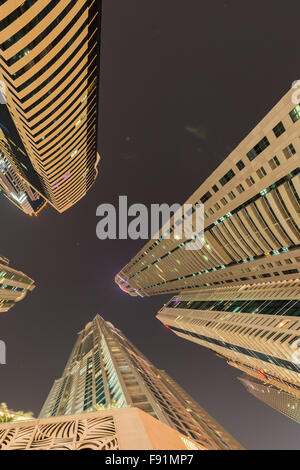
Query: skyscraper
{"points": [[16, 189], [255, 327], [239, 295], [106, 370], [251, 219], [50, 72], [14, 285], [280, 400], [12, 147]]}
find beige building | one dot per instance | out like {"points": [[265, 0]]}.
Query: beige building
{"points": [[14, 285], [122, 429], [255, 327], [239, 295], [251, 220], [105, 370], [50, 70], [280, 400]]}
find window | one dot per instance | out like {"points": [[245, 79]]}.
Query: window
{"points": [[215, 188], [279, 129], [289, 151], [250, 181], [227, 177], [290, 271], [260, 147], [274, 163], [240, 165], [261, 172], [240, 188], [16, 13], [206, 197], [231, 195], [295, 113]]}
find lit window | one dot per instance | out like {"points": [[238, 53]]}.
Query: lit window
{"points": [[295, 113]]}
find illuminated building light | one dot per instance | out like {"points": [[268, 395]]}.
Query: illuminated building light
{"points": [[261, 374], [40, 209], [74, 153], [122, 279]]}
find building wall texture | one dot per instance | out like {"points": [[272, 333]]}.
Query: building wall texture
{"points": [[126, 429], [278, 399]]}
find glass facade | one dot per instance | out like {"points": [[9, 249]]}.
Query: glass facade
{"points": [[106, 370], [262, 307]]}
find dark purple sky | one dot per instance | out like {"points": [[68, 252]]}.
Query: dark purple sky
{"points": [[218, 66]]}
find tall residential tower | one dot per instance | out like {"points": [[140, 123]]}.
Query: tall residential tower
{"points": [[255, 327], [14, 285], [251, 220], [12, 185], [239, 295], [50, 75], [106, 370]]}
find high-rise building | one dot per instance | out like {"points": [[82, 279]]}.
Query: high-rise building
{"points": [[14, 285], [16, 189], [280, 400], [251, 219], [50, 75], [122, 429], [106, 370], [239, 295], [255, 327], [12, 147]]}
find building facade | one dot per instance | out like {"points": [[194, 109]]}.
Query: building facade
{"points": [[122, 429], [14, 285], [16, 189], [280, 400], [251, 219], [105, 371], [50, 76], [255, 328], [239, 294]]}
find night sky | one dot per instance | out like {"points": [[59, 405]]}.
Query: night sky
{"points": [[166, 66]]}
